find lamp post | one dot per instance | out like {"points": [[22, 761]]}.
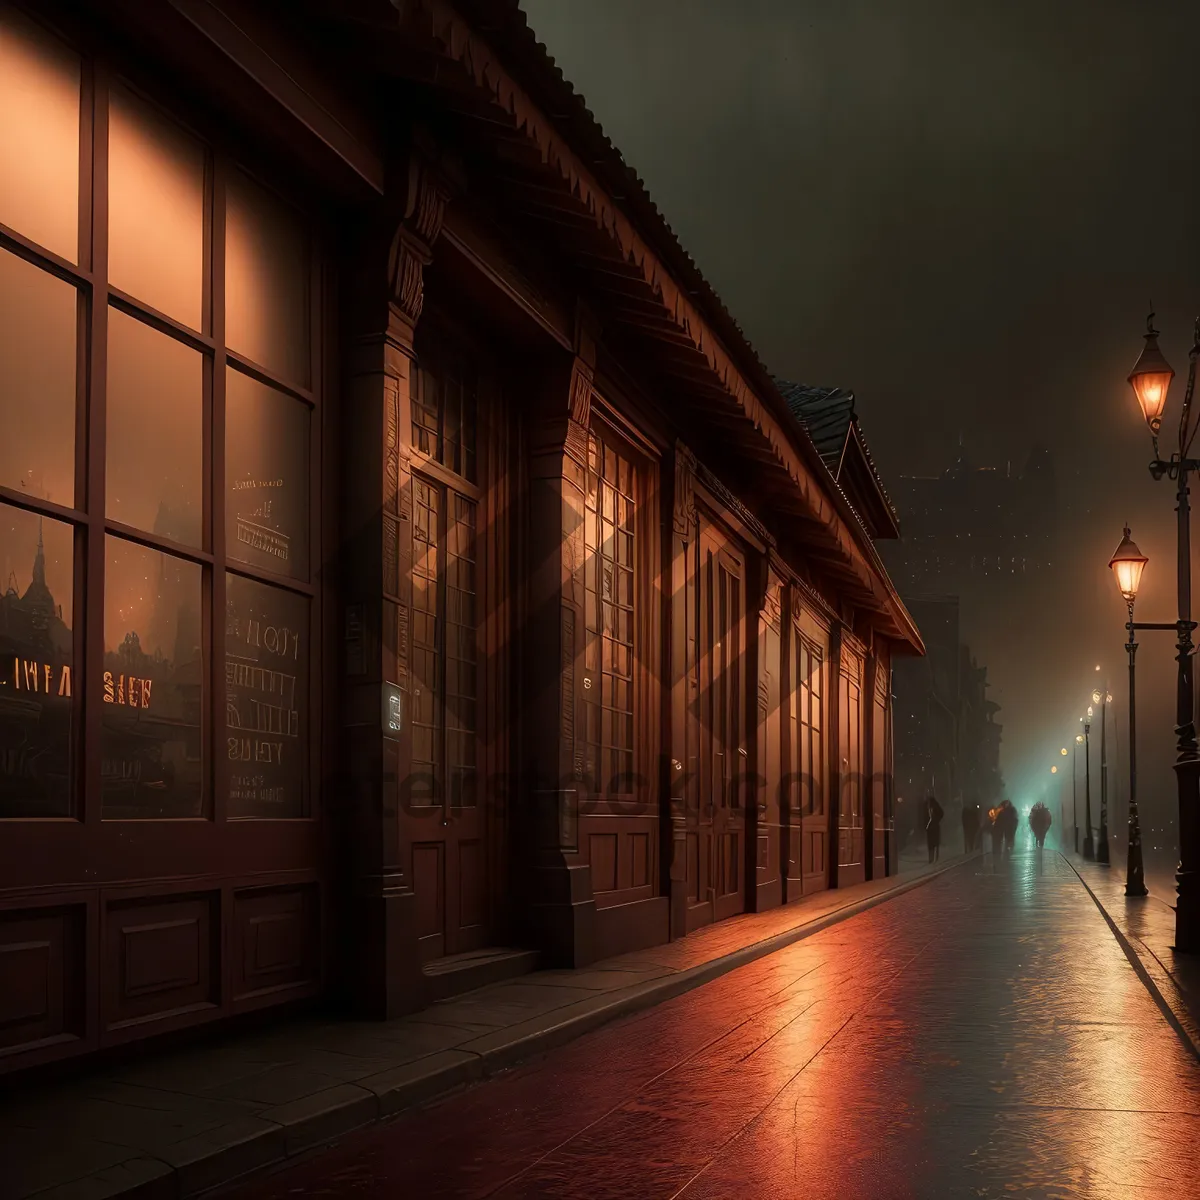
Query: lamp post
{"points": [[1089, 846], [1102, 699], [1150, 379], [1128, 563], [1075, 789]]}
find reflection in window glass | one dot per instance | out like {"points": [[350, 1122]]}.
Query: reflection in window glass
{"points": [[35, 665], [266, 464], [37, 380], [266, 282], [155, 210], [153, 685], [266, 699], [155, 420], [39, 135]]}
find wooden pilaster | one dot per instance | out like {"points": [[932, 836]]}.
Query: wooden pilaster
{"points": [[560, 911], [377, 585]]}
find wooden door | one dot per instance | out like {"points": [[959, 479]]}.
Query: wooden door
{"points": [[457, 568], [723, 751], [851, 867], [879, 776], [810, 755]]}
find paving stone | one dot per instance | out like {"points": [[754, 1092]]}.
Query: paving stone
{"points": [[216, 1111], [984, 1035], [323, 1116]]}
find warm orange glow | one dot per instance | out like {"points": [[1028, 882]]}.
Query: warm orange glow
{"points": [[39, 136], [1063, 751], [1079, 738], [1096, 697], [1127, 564], [1053, 770], [1151, 378]]}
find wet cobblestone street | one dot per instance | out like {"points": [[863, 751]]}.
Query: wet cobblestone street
{"points": [[981, 1035]]}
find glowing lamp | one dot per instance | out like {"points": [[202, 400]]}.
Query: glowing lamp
{"points": [[1063, 752], [1128, 563], [1151, 378], [1053, 770], [1089, 711], [1079, 738], [1095, 699]]}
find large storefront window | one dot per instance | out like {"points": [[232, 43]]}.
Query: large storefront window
{"points": [[445, 583], [609, 531], [156, 428]]}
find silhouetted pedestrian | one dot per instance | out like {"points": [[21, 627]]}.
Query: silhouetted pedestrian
{"points": [[933, 827], [1040, 821], [1006, 822], [970, 824]]}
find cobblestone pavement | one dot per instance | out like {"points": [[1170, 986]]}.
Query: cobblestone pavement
{"points": [[983, 1035]]}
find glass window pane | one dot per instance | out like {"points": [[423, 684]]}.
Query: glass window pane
{"points": [[153, 689], [267, 310], [38, 338], [266, 464], [35, 665], [155, 444], [39, 135], [266, 699], [155, 210]]}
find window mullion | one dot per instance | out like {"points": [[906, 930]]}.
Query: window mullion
{"points": [[95, 356], [214, 477], [443, 654]]}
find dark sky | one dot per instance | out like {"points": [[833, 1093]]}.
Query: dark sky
{"points": [[960, 210]]}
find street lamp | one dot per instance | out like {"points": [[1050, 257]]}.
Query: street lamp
{"points": [[1075, 788], [1151, 379], [1102, 699], [1128, 563], [1089, 846]]}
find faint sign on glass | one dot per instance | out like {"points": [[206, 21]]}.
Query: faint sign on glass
{"points": [[266, 699], [266, 457]]}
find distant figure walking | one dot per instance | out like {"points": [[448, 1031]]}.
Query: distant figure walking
{"points": [[1040, 821], [1006, 824], [970, 824], [933, 827]]}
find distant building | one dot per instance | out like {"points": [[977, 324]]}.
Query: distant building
{"points": [[971, 528], [947, 740]]}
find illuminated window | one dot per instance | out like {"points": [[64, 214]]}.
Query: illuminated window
{"points": [[609, 547], [198, 468], [445, 586]]}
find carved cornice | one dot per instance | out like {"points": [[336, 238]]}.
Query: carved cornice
{"points": [[428, 192], [735, 506], [685, 491], [580, 414]]}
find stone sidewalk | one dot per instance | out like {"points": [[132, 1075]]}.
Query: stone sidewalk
{"points": [[181, 1123], [1145, 927]]}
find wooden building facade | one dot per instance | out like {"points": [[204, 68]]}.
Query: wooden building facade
{"points": [[410, 571]]}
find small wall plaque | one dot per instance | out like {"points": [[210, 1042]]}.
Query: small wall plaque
{"points": [[393, 709]]}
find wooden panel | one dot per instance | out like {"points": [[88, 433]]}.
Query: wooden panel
{"points": [[429, 885], [41, 977], [276, 940], [604, 861], [693, 866], [639, 860], [472, 884], [161, 958]]}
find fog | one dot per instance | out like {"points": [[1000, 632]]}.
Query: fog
{"points": [[962, 212]]}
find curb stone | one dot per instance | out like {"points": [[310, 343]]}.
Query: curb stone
{"points": [[234, 1155], [1167, 996]]}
